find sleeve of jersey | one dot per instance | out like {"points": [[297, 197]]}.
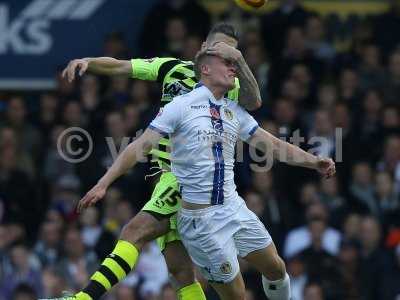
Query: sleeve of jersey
{"points": [[147, 69], [167, 118], [248, 125]]}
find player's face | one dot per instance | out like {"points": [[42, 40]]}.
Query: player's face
{"points": [[218, 38], [222, 72]]}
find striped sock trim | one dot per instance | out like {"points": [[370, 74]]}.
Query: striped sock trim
{"points": [[127, 251], [95, 290], [107, 273], [113, 269], [121, 262]]}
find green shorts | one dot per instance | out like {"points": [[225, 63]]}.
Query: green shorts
{"points": [[165, 202]]}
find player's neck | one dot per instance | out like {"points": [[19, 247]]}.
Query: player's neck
{"points": [[217, 90]]}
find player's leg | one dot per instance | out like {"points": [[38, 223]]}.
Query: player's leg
{"points": [[146, 226], [207, 235], [255, 245], [181, 268], [234, 290], [141, 229], [275, 280], [165, 202]]}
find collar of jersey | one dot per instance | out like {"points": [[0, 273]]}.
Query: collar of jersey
{"points": [[200, 85]]}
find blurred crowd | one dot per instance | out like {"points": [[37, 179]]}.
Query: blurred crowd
{"points": [[318, 78]]}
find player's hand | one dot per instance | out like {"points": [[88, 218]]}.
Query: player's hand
{"points": [[326, 167], [91, 197], [225, 51], [80, 65]]}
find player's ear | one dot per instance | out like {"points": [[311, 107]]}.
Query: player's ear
{"points": [[205, 69]]}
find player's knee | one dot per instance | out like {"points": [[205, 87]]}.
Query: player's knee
{"points": [[239, 294], [182, 273], [140, 230]]}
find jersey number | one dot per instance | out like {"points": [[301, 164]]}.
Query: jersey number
{"points": [[169, 196]]}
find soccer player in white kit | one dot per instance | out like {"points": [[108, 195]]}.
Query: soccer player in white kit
{"points": [[214, 223]]}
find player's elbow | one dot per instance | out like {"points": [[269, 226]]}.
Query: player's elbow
{"points": [[254, 105], [257, 103]]}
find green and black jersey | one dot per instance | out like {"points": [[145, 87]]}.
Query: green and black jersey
{"points": [[177, 78]]}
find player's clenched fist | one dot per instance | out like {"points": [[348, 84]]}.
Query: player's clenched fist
{"points": [[91, 197], [80, 65], [326, 167]]}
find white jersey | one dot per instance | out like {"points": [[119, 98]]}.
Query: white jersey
{"points": [[203, 133]]}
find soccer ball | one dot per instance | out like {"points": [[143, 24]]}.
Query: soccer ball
{"points": [[250, 5]]}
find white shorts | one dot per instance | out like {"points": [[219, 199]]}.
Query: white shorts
{"points": [[216, 235]]}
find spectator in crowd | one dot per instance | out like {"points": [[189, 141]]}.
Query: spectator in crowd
{"points": [[9, 140], [300, 238], [351, 227], [322, 135], [390, 160], [151, 272], [47, 248], [115, 46], [94, 236], [168, 293], [22, 269], [24, 292], [319, 264], [76, 264], [48, 111], [392, 86], [373, 258], [125, 292], [390, 288], [316, 39], [195, 17], [372, 74], [361, 189], [327, 95], [388, 22], [16, 188], [390, 120], [289, 13], [387, 202], [256, 58], [349, 87], [53, 283], [313, 291], [17, 119], [192, 44], [348, 264], [298, 276]]}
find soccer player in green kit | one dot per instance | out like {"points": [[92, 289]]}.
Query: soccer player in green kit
{"points": [[157, 220]]}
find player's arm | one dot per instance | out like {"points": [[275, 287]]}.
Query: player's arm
{"points": [[290, 154], [97, 65], [249, 93], [165, 123], [135, 152]]}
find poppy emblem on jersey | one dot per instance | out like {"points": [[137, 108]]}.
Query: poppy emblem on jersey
{"points": [[229, 114], [214, 113], [160, 112], [226, 268]]}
